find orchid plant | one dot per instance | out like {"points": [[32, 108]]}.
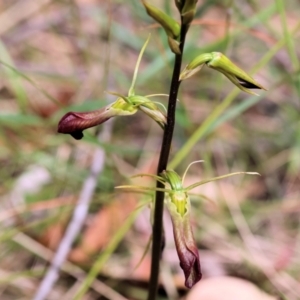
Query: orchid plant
{"points": [[169, 186]]}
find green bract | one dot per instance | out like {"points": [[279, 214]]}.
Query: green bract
{"points": [[189, 5], [171, 26], [187, 9]]}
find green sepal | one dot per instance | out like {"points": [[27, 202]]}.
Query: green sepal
{"points": [[192, 186], [173, 179]]}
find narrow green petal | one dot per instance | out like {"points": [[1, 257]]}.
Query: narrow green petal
{"points": [[136, 69], [218, 178]]}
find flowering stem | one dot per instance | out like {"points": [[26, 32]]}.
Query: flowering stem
{"points": [[162, 165]]}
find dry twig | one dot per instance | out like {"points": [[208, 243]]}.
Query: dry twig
{"points": [[43, 252], [78, 218]]}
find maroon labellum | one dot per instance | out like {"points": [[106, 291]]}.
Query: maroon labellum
{"points": [[186, 249], [74, 123]]}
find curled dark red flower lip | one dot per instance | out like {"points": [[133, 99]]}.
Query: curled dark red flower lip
{"points": [[178, 204], [186, 249], [74, 123]]}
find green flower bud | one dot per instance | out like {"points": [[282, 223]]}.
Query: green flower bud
{"points": [[236, 75], [188, 11], [221, 63], [189, 5], [179, 4], [171, 27]]}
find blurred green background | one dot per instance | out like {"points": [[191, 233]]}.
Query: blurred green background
{"points": [[63, 55]]}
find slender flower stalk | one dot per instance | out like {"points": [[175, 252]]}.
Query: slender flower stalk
{"points": [[176, 44], [171, 26], [162, 165]]}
